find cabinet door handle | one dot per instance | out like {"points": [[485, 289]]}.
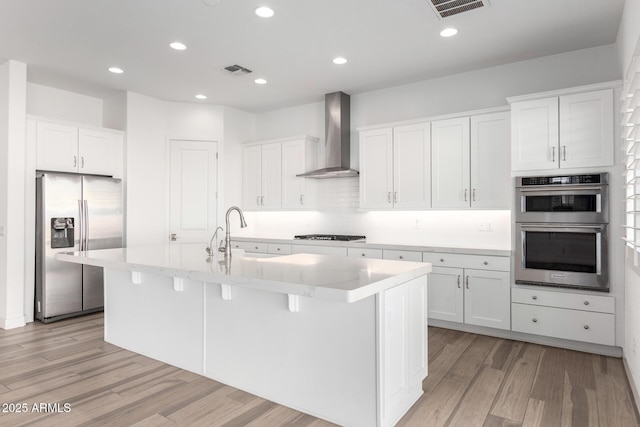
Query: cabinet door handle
{"points": [[82, 161], [586, 303], [401, 257], [75, 161], [564, 153], [389, 197], [302, 199], [262, 200], [586, 326], [467, 280], [534, 320], [173, 237], [473, 194], [395, 197], [258, 200], [553, 154], [458, 281], [534, 297]]}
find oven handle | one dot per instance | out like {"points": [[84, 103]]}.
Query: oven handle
{"points": [[550, 225], [567, 188]]}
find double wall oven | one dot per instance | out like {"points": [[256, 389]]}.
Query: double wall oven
{"points": [[562, 231]]}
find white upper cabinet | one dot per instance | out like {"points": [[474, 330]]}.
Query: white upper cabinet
{"points": [[269, 170], [586, 129], [262, 177], [271, 176], [298, 156], [56, 147], [450, 163], [376, 169], [490, 170], [411, 171], [566, 131], [534, 134], [67, 148], [395, 167]]}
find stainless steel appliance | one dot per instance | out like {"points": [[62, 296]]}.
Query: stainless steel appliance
{"points": [[338, 237], [562, 231], [73, 213]]}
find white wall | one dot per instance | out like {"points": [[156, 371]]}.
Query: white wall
{"points": [[150, 124], [13, 89], [63, 105], [628, 38]]}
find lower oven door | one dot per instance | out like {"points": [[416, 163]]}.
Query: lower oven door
{"points": [[565, 255]]}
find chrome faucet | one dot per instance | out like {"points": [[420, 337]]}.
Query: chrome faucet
{"points": [[227, 236], [209, 248]]}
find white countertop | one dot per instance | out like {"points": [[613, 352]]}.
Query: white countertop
{"points": [[379, 245], [319, 276]]}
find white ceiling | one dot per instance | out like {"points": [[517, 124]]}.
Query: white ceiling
{"points": [[69, 44]]}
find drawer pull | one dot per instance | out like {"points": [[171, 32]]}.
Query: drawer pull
{"points": [[256, 247], [401, 257], [534, 297], [534, 320], [277, 249], [486, 263], [441, 259], [586, 303], [586, 326], [362, 254]]}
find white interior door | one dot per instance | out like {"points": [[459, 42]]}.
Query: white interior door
{"points": [[193, 190]]}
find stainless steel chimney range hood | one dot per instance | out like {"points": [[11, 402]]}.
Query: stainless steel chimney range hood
{"points": [[337, 116]]}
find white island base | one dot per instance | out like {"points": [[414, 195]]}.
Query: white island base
{"points": [[355, 363]]}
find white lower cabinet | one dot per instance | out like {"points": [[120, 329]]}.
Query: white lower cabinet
{"points": [[402, 255], [364, 253], [476, 296], [258, 247], [321, 250], [559, 314], [278, 249]]}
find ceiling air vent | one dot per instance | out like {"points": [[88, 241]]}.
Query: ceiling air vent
{"points": [[446, 8], [236, 70]]}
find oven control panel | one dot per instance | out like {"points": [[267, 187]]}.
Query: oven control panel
{"points": [[599, 178]]}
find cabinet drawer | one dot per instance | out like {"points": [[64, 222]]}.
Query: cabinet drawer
{"points": [[250, 246], [599, 303], [402, 255], [364, 253], [597, 328], [279, 249], [322, 250], [478, 262]]}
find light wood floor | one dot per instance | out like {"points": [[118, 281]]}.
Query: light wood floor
{"points": [[473, 380]]}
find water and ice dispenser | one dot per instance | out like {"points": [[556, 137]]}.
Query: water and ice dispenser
{"points": [[62, 232]]}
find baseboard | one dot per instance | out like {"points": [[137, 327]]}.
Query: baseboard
{"points": [[15, 322], [632, 384], [536, 339]]}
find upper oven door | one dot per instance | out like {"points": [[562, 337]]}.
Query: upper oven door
{"points": [[566, 204]]}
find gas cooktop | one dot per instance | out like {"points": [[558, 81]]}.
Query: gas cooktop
{"points": [[340, 237]]}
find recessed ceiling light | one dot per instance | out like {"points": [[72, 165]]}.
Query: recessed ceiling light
{"points": [[178, 46], [339, 60], [201, 96], [260, 81], [264, 12], [448, 32], [116, 70]]}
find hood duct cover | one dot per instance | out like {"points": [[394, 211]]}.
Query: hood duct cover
{"points": [[337, 116]]}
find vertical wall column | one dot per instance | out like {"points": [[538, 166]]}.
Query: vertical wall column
{"points": [[13, 95]]}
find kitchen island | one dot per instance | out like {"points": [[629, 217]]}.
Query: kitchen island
{"points": [[341, 339]]}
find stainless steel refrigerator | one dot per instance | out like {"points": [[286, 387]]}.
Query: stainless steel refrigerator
{"points": [[73, 213]]}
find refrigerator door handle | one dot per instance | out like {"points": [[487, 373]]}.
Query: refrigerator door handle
{"points": [[86, 225], [80, 224]]}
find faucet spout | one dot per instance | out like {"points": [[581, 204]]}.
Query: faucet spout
{"points": [[227, 237]]}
